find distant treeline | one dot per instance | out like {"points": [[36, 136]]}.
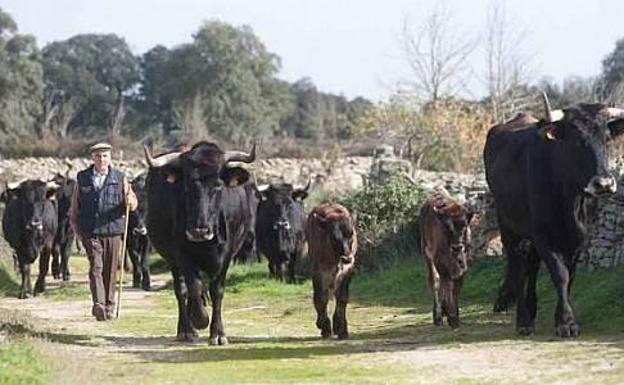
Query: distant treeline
{"points": [[222, 85]]}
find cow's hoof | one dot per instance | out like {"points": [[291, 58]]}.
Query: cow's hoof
{"points": [[23, 295], [570, 330], [39, 288], [66, 278], [56, 276], [188, 337], [343, 335], [437, 321], [453, 322], [525, 330], [146, 287], [218, 340], [500, 305]]}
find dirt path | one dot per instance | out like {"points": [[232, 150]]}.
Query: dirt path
{"points": [[274, 341]]}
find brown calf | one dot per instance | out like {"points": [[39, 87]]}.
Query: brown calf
{"points": [[332, 243], [445, 244]]}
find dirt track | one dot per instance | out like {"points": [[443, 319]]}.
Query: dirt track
{"points": [[273, 340]]}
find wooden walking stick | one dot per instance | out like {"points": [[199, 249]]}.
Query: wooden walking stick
{"points": [[123, 258]]}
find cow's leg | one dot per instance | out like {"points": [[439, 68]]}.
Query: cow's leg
{"points": [[434, 287], [339, 322], [517, 275], [505, 295], [185, 332], [44, 265], [533, 264], [565, 322], [217, 288], [24, 267], [292, 264], [321, 297], [65, 253], [56, 260], [134, 258], [457, 286], [448, 293], [144, 259]]}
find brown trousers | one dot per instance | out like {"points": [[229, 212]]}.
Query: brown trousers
{"points": [[103, 255]]}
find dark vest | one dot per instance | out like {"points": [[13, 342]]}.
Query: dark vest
{"points": [[101, 212]]}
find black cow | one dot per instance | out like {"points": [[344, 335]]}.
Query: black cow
{"points": [[64, 237], [543, 176], [280, 228], [137, 241], [29, 224], [11, 192], [197, 221]]}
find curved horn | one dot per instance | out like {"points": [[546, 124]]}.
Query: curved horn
{"points": [[615, 112], [12, 185], [52, 184], [263, 187], [161, 160], [307, 186], [551, 115], [239, 156]]}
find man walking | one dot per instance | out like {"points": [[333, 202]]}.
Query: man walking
{"points": [[97, 216]]}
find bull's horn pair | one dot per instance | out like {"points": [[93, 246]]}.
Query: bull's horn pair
{"points": [[229, 156], [555, 115]]}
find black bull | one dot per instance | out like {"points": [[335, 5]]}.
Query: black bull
{"points": [[64, 237], [198, 222], [29, 224], [137, 241], [280, 228], [544, 175]]}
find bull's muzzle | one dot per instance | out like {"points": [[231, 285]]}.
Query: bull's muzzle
{"points": [[457, 248], [200, 234], [142, 230], [281, 225], [601, 185], [35, 226], [346, 259]]}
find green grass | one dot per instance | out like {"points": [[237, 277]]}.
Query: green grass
{"points": [[21, 363], [8, 280]]}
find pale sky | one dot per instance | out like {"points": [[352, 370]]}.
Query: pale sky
{"points": [[345, 46]]}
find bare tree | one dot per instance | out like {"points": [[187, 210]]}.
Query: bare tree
{"points": [[508, 68], [58, 112], [437, 55], [189, 116]]}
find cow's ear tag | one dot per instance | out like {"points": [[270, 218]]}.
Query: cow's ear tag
{"points": [[548, 132], [171, 178]]}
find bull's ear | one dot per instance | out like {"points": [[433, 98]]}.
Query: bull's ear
{"points": [[299, 195], [234, 176], [549, 132], [616, 127]]}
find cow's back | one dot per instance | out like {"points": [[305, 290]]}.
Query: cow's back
{"points": [[506, 157], [432, 238]]}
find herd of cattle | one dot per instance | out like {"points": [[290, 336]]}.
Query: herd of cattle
{"points": [[200, 212]]}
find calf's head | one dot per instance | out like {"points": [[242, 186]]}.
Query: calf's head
{"points": [[455, 221], [340, 228], [579, 135], [284, 203], [199, 171]]}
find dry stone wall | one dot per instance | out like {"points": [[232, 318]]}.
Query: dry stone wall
{"points": [[605, 246]]}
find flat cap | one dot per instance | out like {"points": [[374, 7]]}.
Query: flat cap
{"points": [[100, 147]]}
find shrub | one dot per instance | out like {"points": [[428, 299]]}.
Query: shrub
{"points": [[387, 220]]}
